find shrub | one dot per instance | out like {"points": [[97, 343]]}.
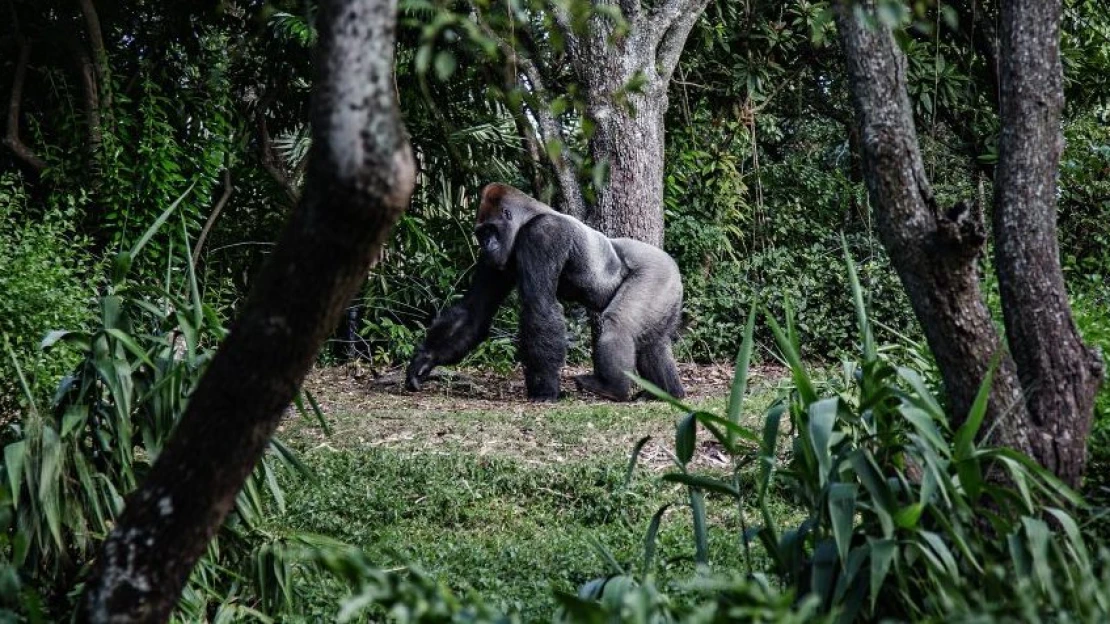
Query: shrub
{"points": [[904, 518], [46, 282], [73, 458]]}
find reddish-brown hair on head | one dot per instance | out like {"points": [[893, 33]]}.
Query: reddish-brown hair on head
{"points": [[491, 201]]}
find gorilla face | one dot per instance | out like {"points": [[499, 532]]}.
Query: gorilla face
{"points": [[491, 238]]}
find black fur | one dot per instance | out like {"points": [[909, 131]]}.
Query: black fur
{"points": [[634, 288]]}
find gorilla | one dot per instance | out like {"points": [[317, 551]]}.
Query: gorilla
{"points": [[634, 288]]}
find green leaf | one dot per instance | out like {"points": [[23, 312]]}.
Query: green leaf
{"points": [[801, 378], [444, 65], [129, 343], [705, 483], [842, 510], [908, 516], [14, 456], [659, 393], [926, 426], [882, 500], [650, 537], [1037, 537], [923, 398], [740, 372], [822, 417], [121, 266], [685, 438], [1076, 544], [733, 430], [153, 229], [965, 435], [882, 555], [701, 527], [633, 459], [79, 340], [870, 352], [941, 551]]}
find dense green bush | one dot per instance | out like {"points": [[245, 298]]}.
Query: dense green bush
{"points": [[73, 457], [46, 282]]}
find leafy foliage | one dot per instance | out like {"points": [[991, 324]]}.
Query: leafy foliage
{"points": [[904, 518], [74, 459], [46, 281]]}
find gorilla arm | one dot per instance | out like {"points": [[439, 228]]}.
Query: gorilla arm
{"points": [[463, 326]]}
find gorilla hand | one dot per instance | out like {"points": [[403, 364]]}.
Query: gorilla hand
{"points": [[419, 368]]}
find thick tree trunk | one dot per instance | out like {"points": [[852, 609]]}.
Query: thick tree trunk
{"points": [[933, 250], [629, 137], [359, 182], [1046, 388], [628, 131], [1059, 373]]}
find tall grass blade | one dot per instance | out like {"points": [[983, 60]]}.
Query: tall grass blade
{"points": [[701, 528], [965, 435], [740, 373], [867, 337], [159, 222]]}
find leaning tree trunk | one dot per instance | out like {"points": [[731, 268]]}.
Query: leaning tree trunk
{"points": [[1059, 373], [359, 182], [1045, 389], [933, 249]]}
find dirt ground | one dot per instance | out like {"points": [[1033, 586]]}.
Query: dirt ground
{"points": [[487, 413]]}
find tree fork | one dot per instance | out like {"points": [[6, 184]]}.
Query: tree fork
{"points": [[934, 251], [1059, 373], [359, 181]]}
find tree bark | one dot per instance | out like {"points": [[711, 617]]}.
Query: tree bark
{"points": [[15, 101], [359, 182], [628, 135], [933, 250], [1060, 375]]}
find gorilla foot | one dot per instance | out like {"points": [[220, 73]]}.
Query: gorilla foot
{"points": [[593, 385]]}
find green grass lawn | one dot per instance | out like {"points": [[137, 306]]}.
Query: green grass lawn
{"points": [[503, 498]]}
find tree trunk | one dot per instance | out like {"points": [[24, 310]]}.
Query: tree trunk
{"points": [[628, 137], [1060, 375], [1046, 388], [934, 251], [628, 134], [359, 182]]}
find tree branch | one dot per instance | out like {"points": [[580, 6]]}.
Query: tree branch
{"points": [[934, 251], [672, 39], [573, 202], [1059, 373], [215, 214], [665, 14], [11, 137], [359, 183], [99, 52], [86, 70], [271, 162]]}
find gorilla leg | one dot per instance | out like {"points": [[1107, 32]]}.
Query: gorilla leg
{"points": [[655, 363], [614, 353], [543, 340]]}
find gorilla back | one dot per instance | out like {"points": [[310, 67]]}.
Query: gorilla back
{"points": [[634, 288]]}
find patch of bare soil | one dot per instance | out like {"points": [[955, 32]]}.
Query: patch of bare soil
{"points": [[486, 413]]}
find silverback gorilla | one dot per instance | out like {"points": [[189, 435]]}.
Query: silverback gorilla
{"points": [[634, 287]]}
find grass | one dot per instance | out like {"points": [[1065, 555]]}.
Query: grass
{"points": [[506, 500]]}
